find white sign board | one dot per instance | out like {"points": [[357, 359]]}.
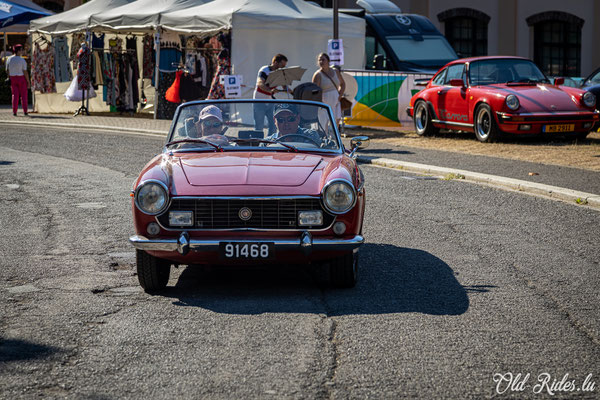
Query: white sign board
{"points": [[232, 85], [335, 51]]}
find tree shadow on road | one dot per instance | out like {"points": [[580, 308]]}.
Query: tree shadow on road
{"points": [[392, 280], [17, 350]]}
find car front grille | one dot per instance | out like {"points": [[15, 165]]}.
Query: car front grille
{"points": [[225, 213]]}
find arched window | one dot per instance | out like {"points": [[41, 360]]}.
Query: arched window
{"points": [[466, 30], [557, 43]]}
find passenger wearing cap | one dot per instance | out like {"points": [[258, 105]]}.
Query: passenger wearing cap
{"points": [[287, 122]]}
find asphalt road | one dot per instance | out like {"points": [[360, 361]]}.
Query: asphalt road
{"points": [[555, 175], [460, 285]]}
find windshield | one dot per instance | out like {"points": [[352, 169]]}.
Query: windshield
{"points": [[432, 50], [247, 124], [489, 72]]}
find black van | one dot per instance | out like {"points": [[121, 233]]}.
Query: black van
{"points": [[401, 42]]}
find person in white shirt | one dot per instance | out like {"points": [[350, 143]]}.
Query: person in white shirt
{"points": [[264, 91], [16, 67]]}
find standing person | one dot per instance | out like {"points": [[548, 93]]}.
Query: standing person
{"points": [[264, 91], [16, 67], [331, 82]]}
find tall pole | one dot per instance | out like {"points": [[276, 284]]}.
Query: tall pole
{"points": [[335, 20]]}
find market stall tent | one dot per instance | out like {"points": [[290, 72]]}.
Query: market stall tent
{"points": [[75, 19], [140, 15], [262, 28]]}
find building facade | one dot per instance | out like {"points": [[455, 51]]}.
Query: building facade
{"points": [[560, 36], [58, 6]]}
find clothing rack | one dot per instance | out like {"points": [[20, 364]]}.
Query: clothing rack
{"points": [[207, 49]]}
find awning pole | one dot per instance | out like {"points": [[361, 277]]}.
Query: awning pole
{"points": [[335, 20], [157, 70]]}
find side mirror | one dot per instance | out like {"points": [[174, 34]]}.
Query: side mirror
{"points": [[457, 82], [358, 143], [378, 61], [559, 81]]}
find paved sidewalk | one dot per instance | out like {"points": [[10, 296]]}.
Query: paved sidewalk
{"points": [[114, 121], [571, 185]]}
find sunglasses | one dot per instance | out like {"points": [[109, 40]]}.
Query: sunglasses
{"points": [[291, 118], [212, 124]]}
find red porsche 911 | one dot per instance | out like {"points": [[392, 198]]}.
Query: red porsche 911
{"points": [[492, 96]]}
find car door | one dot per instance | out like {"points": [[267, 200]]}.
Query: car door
{"points": [[437, 84], [453, 101]]}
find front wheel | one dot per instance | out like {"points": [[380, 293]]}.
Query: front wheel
{"points": [[422, 119], [344, 271], [153, 273], [486, 128]]}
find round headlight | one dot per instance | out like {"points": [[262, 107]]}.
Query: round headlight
{"points": [[589, 99], [339, 197], [151, 197], [512, 102]]}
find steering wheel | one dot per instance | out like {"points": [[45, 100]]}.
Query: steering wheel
{"points": [[303, 138]]}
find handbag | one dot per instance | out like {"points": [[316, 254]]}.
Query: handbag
{"points": [[345, 104]]}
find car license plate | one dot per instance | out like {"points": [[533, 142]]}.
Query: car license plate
{"points": [[559, 128], [245, 250]]}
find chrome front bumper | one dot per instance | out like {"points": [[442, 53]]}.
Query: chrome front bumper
{"points": [[305, 243]]}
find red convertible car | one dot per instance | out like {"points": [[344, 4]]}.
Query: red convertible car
{"points": [[494, 95], [223, 192]]}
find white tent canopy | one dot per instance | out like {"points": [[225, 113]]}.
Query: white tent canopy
{"points": [[75, 19], [263, 28], [139, 15]]}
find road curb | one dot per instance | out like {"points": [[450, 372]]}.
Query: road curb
{"points": [[83, 126], [538, 189]]}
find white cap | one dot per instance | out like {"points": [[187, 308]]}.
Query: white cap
{"points": [[211, 111]]}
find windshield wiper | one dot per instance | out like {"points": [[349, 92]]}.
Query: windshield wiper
{"points": [[258, 140], [196, 140]]}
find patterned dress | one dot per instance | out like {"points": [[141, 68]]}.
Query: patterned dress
{"points": [[217, 90], [42, 70], [84, 71]]}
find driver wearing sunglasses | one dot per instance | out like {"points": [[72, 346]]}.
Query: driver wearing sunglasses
{"points": [[210, 125], [287, 121]]}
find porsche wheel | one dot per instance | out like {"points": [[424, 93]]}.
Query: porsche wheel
{"points": [[486, 129], [422, 119], [153, 273], [344, 271]]}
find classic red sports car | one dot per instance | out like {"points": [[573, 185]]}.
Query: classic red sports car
{"points": [[225, 190], [494, 95]]}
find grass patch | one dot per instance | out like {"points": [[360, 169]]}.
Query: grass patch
{"points": [[581, 201], [452, 176]]}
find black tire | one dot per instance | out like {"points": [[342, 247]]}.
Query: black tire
{"points": [[422, 119], [153, 273], [580, 135], [486, 128], [344, 271]]}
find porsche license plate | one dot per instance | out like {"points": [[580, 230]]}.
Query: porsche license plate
{"points": [[245, 250], [559, 128]]}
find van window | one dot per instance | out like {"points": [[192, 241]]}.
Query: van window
{"points": [[430, 51], [373, 47]]}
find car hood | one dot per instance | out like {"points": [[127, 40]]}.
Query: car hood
{"points": [[542, 98], [248, 168]]}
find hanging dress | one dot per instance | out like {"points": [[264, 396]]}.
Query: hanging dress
{"points": [[217, 91]]}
